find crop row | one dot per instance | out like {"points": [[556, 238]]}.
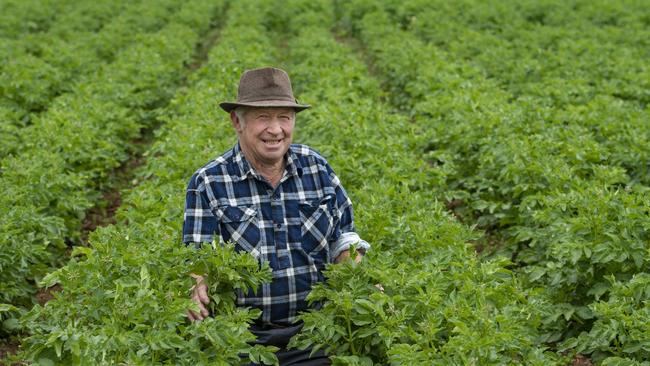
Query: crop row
{"points": [[560, 52], [574, 222], [582, 63], [19, 17], [124, 299], [30, 63], [63, 164], [41, 67]]}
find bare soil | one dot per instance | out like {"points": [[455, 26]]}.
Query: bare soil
{"points": [[46, 294], [581, 360], [451, 207], [101, 215], [7, 349], [204, 48]]}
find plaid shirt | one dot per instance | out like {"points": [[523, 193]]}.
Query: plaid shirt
{"points": [[298, 227]]}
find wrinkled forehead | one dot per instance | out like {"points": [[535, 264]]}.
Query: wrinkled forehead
{"points": [[256, 111]]}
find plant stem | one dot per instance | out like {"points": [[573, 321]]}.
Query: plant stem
{"points": [[347, 319]]}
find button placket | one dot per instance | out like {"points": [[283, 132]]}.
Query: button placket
{"points": [[279, 231]]}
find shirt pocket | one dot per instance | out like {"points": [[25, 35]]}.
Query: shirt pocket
{"points": [[240, 225], [318, 220]]}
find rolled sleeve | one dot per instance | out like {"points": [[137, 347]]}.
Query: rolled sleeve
{"points": [[199, 224], [346, 240]]}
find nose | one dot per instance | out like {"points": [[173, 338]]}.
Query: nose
{"points": [[274, 126]]}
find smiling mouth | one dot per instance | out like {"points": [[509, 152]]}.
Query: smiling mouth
{"points": [[272, 142]]}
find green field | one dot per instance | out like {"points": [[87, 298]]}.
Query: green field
{"points": [[497, 154]]}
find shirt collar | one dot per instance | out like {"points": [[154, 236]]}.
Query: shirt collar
{"points": [[293, 167]]}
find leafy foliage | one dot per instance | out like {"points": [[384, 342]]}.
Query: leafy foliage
{"points": [[46, 65], [22, 17], [620, 333], [133, 309], [70, 151], [514, 105]]}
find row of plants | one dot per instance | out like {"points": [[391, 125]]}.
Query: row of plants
{"points": [[532, 47], [439, 304], [67, 157], [562, 56], [586, 72], [18, 18], [54, 54], [604, 128], [125, 297], [40, 67], [573, 221], [626, 18]]}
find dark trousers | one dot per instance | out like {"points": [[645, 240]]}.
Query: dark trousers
{"points": [[279, 337]]}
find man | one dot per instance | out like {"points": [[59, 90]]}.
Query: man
{"points": [[278, 201]]}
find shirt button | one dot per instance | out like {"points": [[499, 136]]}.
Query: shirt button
{"points": [[278, 226]]}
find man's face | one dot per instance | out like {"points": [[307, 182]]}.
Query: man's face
{"points": [[266, 134]]}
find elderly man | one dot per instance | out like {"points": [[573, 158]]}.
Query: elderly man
{"points": [[278, 201]]}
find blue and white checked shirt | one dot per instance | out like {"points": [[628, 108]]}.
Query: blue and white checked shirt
{"points": [[298, 227]]}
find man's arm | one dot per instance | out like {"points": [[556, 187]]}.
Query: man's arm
{"points": [[199, 226], [346, 235]]}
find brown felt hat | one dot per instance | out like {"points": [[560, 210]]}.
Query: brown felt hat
{"points": [[265, 87]]}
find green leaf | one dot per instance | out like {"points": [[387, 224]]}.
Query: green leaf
{"points": [[11, 324]]}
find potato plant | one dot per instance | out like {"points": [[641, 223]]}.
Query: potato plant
{"points": [[20, 18]]}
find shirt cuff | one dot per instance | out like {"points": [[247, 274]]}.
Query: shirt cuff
{"points": [[345, 241]]}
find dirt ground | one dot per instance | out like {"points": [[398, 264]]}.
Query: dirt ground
{"points": [[581, 360]]}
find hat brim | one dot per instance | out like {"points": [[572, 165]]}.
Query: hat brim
{"points": [[230, 106]]}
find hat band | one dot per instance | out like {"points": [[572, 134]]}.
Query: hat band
{"points": [[283, 99]]}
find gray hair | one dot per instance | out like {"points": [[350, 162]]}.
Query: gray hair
{"points": [[240, 112]]}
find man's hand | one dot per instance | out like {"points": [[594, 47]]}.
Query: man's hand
{"points": [[200, 297], [346, 254]]}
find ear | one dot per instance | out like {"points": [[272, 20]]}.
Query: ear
{"points": [[235, 122]]}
